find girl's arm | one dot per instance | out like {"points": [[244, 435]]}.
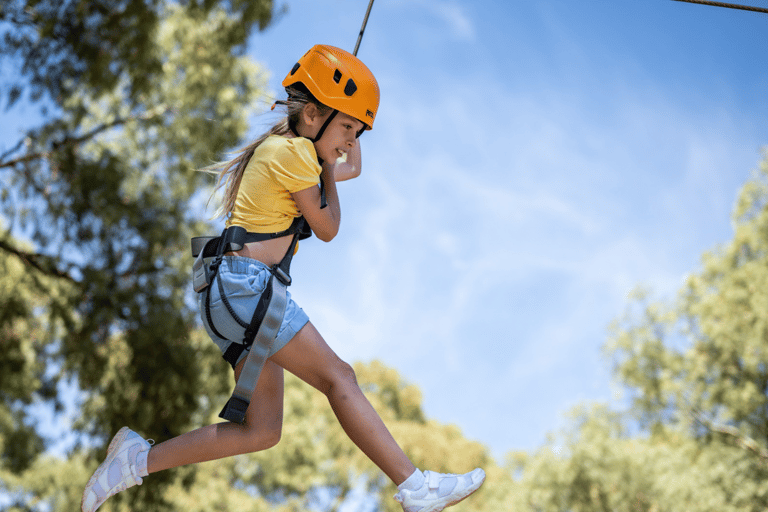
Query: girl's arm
{"points": [[323, 221], [353, 165]]}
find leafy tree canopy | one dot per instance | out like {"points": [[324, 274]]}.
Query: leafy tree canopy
{"points": [[99, 202], [696, 436]]}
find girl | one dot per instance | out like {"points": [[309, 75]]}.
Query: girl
{"points": [[332, 99]]}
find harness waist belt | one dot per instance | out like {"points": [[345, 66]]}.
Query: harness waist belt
{"points": [[239, 237]]}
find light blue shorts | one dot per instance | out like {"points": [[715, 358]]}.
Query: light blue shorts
{"points": [[244, 280]]}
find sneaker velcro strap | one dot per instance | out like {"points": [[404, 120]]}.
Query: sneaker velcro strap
{"points": [[433, 479]]}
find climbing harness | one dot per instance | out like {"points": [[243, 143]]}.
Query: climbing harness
{"points": [[339, 80], [264, 325]]}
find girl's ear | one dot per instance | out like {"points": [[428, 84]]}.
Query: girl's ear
{"points": [[310, 113]]}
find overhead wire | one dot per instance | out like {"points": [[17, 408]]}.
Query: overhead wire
{"points": [[362, 29], [728, 5]]}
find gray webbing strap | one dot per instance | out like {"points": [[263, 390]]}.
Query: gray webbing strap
{"points": [[235, 408], [269, 324]]}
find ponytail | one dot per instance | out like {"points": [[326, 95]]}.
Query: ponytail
{"points": [[230, 173]]}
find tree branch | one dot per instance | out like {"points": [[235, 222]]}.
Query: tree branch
{"points": [[12, 150], [36, 261], [75, 141], [741, 440]]}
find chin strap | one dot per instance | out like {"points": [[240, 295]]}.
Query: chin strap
{"points": [[323, 200], [293, 128], [325, 125], [320, 132]]}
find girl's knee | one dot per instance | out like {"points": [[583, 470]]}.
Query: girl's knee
{"points": [[258, 439], [341, 375], [271, 438]]}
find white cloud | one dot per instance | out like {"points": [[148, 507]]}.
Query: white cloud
{"points": [[456, 18], [453, 20]]}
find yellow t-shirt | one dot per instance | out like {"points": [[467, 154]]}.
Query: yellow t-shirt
{"points": [[279, 166]]}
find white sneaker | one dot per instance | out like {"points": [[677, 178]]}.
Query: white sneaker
{"points": [[119, 471], [440, 491]]}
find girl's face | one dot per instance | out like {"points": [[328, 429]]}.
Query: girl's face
{"points": [[339, 137]]}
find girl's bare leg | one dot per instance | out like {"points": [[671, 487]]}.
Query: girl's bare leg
{"points": [[263, 424], [310, 358]]}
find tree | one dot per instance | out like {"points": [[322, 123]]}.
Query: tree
{"points": [[717, 382], [98, 205], [315, 464], [696, 437]]}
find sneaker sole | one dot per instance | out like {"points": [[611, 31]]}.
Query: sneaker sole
{"points": [[116, 441], [461, 497]]}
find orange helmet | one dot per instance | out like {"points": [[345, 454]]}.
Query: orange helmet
{"points": [[338, 80]]}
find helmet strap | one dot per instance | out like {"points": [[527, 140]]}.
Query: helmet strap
{"points": [[325, 125], [294, 129]]}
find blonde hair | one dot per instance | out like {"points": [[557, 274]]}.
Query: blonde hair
{"points": [[230, 173]]}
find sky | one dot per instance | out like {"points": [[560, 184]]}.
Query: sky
{"points": [[530, 165]]}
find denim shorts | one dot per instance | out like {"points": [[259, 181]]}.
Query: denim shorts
{"points": [[244, 280]]}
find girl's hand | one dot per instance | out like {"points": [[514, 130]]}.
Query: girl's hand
{"points": [[349, 167]]}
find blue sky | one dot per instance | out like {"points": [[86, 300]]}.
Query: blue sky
{"points": [[531, 164]]}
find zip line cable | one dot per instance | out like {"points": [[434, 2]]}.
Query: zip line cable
{"points": [[362, 29], [723, 4]]}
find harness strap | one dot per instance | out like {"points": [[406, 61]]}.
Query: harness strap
{"points": [[267, 317], [200, 244], [208, 317], [260, 335], [237, 405], [232, 354]]}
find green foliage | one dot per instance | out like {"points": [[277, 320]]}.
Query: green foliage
{"points": [[697, 376], [63, 44], [596, 465], [593, 467], [315, 453], [23, 314], [718, 379], [105, 193]]}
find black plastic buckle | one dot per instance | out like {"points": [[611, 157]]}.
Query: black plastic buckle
{"points": [[199, 244], [233, 239], [234, 410]]}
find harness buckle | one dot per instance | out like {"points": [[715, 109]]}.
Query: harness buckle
{"points": [[280, 274], [203, 269], [232, 239], [201, 277]]}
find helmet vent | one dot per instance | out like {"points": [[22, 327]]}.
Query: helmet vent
{"points": [[295, 68], [337, 76], [350, 88]]}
